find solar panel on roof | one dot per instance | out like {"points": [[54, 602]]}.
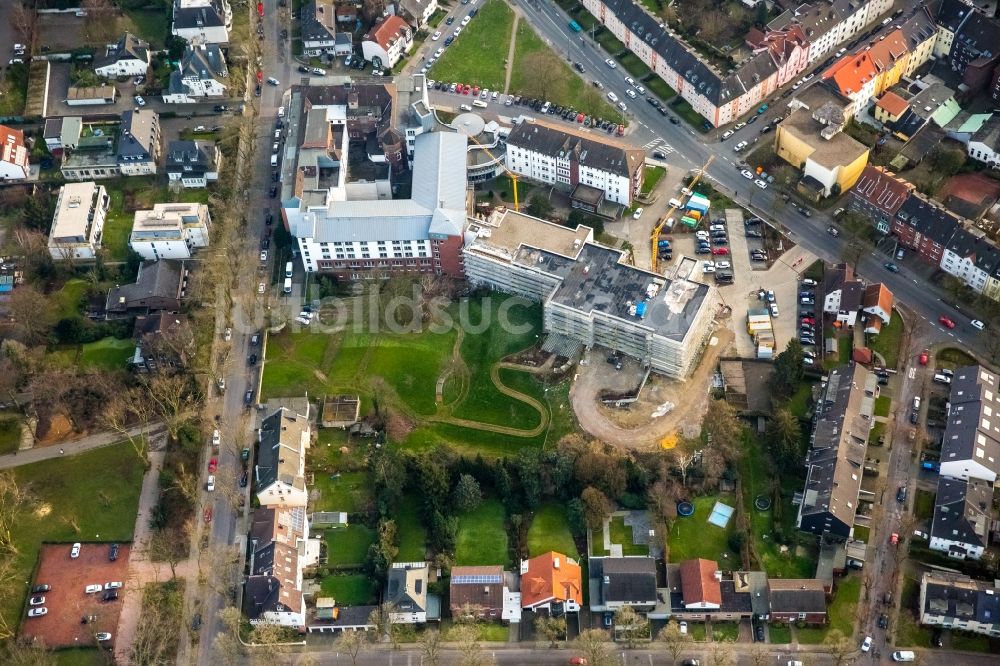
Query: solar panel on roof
{"points": [[476, 579]]}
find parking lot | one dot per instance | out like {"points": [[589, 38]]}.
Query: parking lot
{"points": [[67, 604]]}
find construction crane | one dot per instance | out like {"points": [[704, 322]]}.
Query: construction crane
{"points": [[655, 238], [510, 174]]}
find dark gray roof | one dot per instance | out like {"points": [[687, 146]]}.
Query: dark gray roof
{"points": [[314, 29], [129, 47], [797, 596], [406, 589], [204, 61], [197, 17], [930, 221], [839, 440], [156, 279], [953, 13], [269, 450], [261, 595], [698, 75], [989, 133], [139, 136], [262, 525], [190, 157], [961, 598], [961, 511], [588, 152], [979, 34], [918, 26], [733, 601], [627, 579], [974, 418], [851, 294]]}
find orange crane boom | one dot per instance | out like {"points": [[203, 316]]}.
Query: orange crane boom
{"points": [[654, 239]]}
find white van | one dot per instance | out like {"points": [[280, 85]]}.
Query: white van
{"points": [[465, 107], [674, 203], [479, 103], [288, 269], [274, 159], [287, 287], [903, 655]]}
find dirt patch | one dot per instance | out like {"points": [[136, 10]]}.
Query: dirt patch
{"points": [[398, 426], [56, 429], [68, 604], [636, 427]]}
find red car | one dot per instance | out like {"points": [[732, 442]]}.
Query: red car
{"points": [[260, 9], [894, 539], [467, 90], [208, 515], [621, 130], [475, 90], [580, 117], [720, 250], [808, 320], [947, 323], [213, 465], [924, 357], [260, 76]]}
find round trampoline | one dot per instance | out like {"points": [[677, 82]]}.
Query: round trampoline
{"points": [[762, 502], [685, 509]]}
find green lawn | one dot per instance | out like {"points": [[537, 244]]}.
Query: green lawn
{"points": [[882, 405], [780, 633], [348, 546], [482, 536], [348, 492], [109, 353], [539, 72], [888, 340], [10, 433], [862, 533], [725, 631], [622, 534], [694, 537], [652, 178], [152, 25], [923, 505], [410, 532], [961, 640], [477, 57], [697, 631], [842, 612], [634, 65], [550, 531], [798, 404], [349, 589], [844, 346], [609, 42], [910, 633], [69, 299], [684, 109], [92, 496], [78, 657], [660, 88], [490, 632], [952, 358]]}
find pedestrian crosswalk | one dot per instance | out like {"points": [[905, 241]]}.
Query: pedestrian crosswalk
{"points": [[658, 144]]}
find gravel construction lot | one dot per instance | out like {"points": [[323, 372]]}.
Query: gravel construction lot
{"points": [[66, 601]]}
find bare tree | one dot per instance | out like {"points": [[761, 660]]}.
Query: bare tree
{"points": [[352, 643], [467, 636], [759, 655], [125, 413], [13, 497], [33, 314], [155, 641], [10, 586], [838, 646], [168, 546], [430, 647], [99, 24], [552, 628], [24, 20], [592, 643], [674, 639], [630, 626], [722, 654], [24, 653], [171, 398]]}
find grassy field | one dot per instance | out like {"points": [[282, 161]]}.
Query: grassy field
{"points": [[660, 88], [694, 537], [10, 433], [725, 631], [539, 72], [652, 178], [69, 299], [78, 657], [482, 537], [550, 531], [477, 56], [622, 534], [88, 497], [609, 42], [151, 25], [349, 590], [488, 632], [410, 532], [952, 358], [348, 492], [882, 405], [780, 633], [348, 545], [887, 341], [923, 505], [634, 66], [108, 353], [798, 404], [842, 612]]}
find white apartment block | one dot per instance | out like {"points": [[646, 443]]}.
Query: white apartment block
{"points": [[79, 221], [202, 21], [279, 473], [170, 230]]}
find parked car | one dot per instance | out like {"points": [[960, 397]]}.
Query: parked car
{"points": [[38, 612], [946, 321], [74, 551], [93, 588], [41, 588], [978, 324], [866, 645], [113, 552], [36, 601]]}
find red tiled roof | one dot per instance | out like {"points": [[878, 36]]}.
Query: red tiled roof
{"points": [[388, 31], [880, 188], [877, 295], [12, 147], [698, 583], [892, 103], [551, 576], [851, 72]]}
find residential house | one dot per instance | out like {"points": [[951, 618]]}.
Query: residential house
{"points": [[878, 195], [920, 33], [700, 590], [810, 139], [78, 223], [406, 591], [844, 301], [162, 340], [617, 582], [961, 522], [927, 228], [51, 132], [973, 51], [589, 292], [876, 303], [193, 163], [201, 75], [971, 445], [170, 230], [387, 42], [568, 158], [343, 44], [139, 143], [788, 47], [279, 473], [159, 286], [700, 585], [890, 107], [484, 592], [415, 12], [972, 258], [839, 441], [319, 27], [552, 582], [984, 144], [202, 21], [13, 155], [870, 71], [828, 24], [278, 549], [128, 57], [955, 601], [796, 600]]}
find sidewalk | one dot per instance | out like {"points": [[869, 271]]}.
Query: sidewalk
{"points": [[87, 443]]}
